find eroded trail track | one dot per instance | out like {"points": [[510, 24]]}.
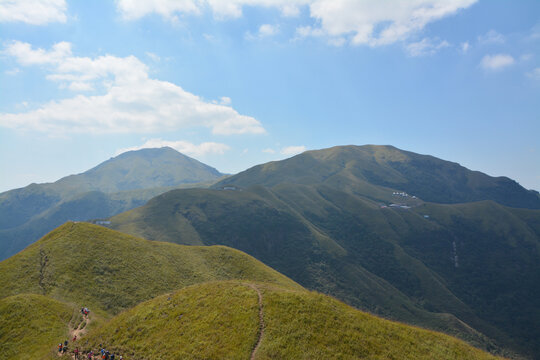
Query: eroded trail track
{"points": [[261, 322]]}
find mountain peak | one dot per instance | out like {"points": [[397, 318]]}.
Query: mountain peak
{"points": [[144, 168], [370, 169]]}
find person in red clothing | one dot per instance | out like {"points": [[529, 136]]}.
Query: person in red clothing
{"points": [[76, 353], [60, 347]]}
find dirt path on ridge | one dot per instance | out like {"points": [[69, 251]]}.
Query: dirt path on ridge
{"points": [[81, 328], [261, 322]]}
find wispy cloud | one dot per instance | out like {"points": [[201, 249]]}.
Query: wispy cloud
{"points": [[131, 103], [535, 73], [426, 47], [496, 62], [33, 12], [185, 147], [491, 37]]}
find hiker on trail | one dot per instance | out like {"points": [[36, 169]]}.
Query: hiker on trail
{"points": [[60, 347], [65, 343], [112, 356], [74, 338], [90, 355], [76, 353]]}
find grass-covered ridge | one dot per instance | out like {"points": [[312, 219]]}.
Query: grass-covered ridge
{"points": [[110, 271], [31, 325], [220, 320]]}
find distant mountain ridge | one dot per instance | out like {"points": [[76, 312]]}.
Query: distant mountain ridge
{"points": [[118, 184], [371, 166]]}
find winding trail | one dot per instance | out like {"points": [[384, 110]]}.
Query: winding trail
{"points": [[261, 322]]}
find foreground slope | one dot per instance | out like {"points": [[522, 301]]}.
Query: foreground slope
{"points": [[116, 185], [108, 271], [31, 325], [220, 320]]}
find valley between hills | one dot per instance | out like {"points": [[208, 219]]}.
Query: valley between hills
{"points": [[352, 252]]}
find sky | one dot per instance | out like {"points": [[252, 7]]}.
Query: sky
{"points": [[236, 83]]}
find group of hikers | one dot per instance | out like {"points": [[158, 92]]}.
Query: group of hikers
{"points": [[103, 353]]}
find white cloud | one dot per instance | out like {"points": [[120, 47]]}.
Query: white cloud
{"points": [[465, 46], [268, 30], [185, 147], [34, 12], [265, 30], [135, 9], [292, 150], [25, 55], [132, 102], [380, 22], [425, 47], [496, 62], [370, 22], [269, 151], [491, 37]]}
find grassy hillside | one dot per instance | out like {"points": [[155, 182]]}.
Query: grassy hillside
{"points": [[116, 185], [452, 268], [109, 271], [220, 320], [31, 325], [372, 170]]}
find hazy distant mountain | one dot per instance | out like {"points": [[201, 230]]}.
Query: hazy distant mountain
{"points": [[116, 185], [354, 222]]}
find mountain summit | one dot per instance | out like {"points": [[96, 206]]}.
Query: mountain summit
{"points": [[362, 170], [116, 185], [141, 169]]}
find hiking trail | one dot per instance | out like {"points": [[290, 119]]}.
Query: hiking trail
{"points": [[81, 328], [261, 322]]}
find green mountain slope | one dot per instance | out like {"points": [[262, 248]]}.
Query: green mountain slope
{"points": [[220, 320], [31, 325], [80, 263], [454, 268], [117, 185], [362, 170]]}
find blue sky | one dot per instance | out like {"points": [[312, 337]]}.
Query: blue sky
{"points": [[241, 82]]}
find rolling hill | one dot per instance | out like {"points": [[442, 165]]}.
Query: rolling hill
{"points": [[153, 300], [323, 219], [117, 185], [220, 320], [80, 264]]}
